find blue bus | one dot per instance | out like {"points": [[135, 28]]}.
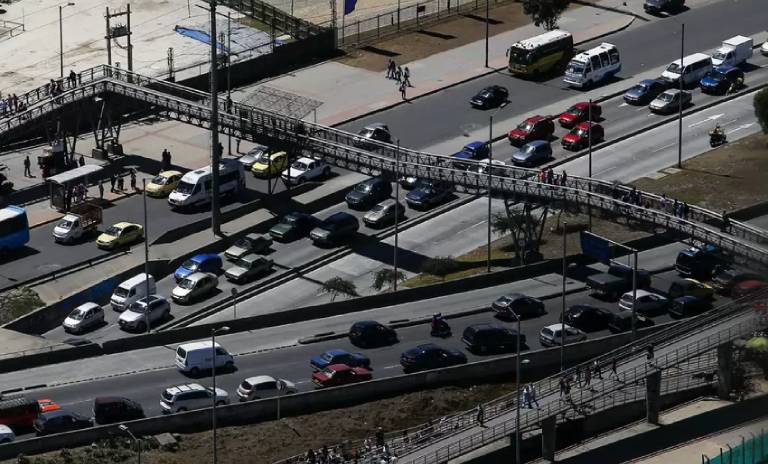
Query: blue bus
{"points": [[14, 228]]}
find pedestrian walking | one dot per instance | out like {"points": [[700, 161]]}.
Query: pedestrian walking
{"points": [[568, 390], [399, 74], [675, 207], [562, 386], [726, 221], [229, 104], [81, 161], [407, 76], [390, 69], [101, 189], [133, 180], [550, 176], [664, 202], [480, 415], [685, 210], [72, 78], [532, 393], [310, 456], [402, 91], [649, 354], [27, 167], [578, 375], [613, 368], [121, 183], [379, 437], [598, 371], [112, 181], [587, 377], [564, 177], [527, 397]]}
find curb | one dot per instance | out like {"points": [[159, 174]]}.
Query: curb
{"points": [[477, 76]]}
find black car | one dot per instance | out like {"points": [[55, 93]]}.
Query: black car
{"points": [[428, 193], [516, 304], [485, 338], [114, 409], [430, 356], [490, 97], [657, 6], [377, 131], [293, 226], [368, 193], [621, 321], [60, 421], [371, 334], [587, 317], [687, 306], [337, 227], [724, 278]]}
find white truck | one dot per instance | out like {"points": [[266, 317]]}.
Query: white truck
{"points": [[81, 220], [733, 52]]}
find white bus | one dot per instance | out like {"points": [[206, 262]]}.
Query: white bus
{"points": [[194, 188], [593, 66]]}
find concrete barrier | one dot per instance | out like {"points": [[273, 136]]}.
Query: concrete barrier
{"points": [[53, 356]]}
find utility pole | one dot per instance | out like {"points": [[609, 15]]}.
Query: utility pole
{"points": [[146, 248], [171, 73], [490, 180], [229, 73], [589, 152], [397, 209], [119, 31], [487, 28], [215, 153], [680, 103], [562, 313]]}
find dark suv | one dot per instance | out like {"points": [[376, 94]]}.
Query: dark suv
{"points": [[113, 409], [485, 338], [334, 229], [657, 6], [428, 193], [371, 334], [368, 193]]}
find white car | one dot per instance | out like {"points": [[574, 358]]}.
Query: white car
{"points": [[304, 169], [264, 386], [551, 335], [194, 286], [145, 313], [190, 396], [6, 434], [84, 317], [648, 303], [764, 48]]}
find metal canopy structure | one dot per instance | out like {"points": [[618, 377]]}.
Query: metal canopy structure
{"points": [[62, 185]]}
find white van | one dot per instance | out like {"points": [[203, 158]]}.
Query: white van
{"points": [[694, 68], [132, 290], [593, 66], [195, 357], [194, 188]]}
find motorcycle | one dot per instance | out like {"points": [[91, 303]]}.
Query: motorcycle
{"points": [[440, 329], [717, 138]]}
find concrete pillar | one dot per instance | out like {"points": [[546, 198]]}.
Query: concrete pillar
{"points": [[548, 438], [724, 370], [653, 397]]}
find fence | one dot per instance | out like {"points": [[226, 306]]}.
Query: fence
{"points": [[405, 18], [8, 28], [275, 18], [752, 451]]}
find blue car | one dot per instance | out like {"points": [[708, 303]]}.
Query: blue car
{"points": [[428, 193], [645, 91], [339, 356], [719, 80], [471, 151], [208, 262]]}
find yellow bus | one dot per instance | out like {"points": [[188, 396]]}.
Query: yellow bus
{"points": [[540, 54]]}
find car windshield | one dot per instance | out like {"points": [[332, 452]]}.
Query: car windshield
{"points": [[674, 68], [639, 88], [580, 131], [243, 243], [667, 97], [367, 133], [364, 188], [525, 126], [77, 314], [575, 68], [328, 372], [113, 230], [529, 149], [715, 74], [65, 224], [187, 284], [327, 357], [160, 180], [290, 220], [574, 110], [167, 396], [422, 184], [185, 187], [485, 94], [378, 209], [246, 385], [121, 292], [191, 265], [299, 165], [719, 56]]}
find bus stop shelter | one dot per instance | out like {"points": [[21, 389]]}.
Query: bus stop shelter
{"points": [[63, 187]]}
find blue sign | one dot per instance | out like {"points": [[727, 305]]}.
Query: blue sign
{"points": [[595, 246], [349, 6]]}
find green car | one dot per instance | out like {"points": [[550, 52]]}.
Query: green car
{"points": [[293, 226]]}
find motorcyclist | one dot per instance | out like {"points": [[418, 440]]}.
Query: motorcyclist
{"points": [[716, 135], [735, 85], [438, 322]]}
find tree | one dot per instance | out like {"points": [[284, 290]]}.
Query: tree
{"points": [[386, 277], [440, 266], [336, 286], [761, 109], [545, 12]]}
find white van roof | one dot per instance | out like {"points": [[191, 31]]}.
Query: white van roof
{"points": [[225, 167], [135, 280], [603, 47], [198, 346], [693, 59]]}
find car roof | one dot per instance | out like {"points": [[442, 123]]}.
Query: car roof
{"points": [[536, 118], [306, 159], [198, 345], [339, 367], [486, 326], [673, 91], [388, 202], [339, 216], [556, 327], [366, 324], [55, 413], [514, 296], [474, 145], [123, 225], [586, 124], [110, 399], [336, 351], [170, 173], [204, 257], [377, 125], [537, 143], [581, 105], [184, 388], [87, 306], [688, 299], [427, 347], [374, 180], [255, 380], [650, 81], [640, 292]]}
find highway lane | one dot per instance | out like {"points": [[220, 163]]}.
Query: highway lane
{"points": [[446, 115], [292, 363]]}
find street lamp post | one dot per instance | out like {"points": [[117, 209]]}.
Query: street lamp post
{"points": [[589, 148], [562, 313], [214, 332], [234, 302], [487, 26], [680, 103], [397, 211], [125, 429], [146, 251], [490, 177], [61, 39], [517, 401]]}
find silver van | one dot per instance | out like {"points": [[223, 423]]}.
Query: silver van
{"points": [[694, 67], [195, 357], [132, 290]]}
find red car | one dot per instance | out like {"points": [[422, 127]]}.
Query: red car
{"points": [[578, 137], [533, 128], [579, 113], [340, 374]]}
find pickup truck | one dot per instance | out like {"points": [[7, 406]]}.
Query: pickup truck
{"points": [[81, 220], [616, 281]]}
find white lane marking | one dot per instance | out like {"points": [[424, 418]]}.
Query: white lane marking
{"points": [[300, 382], [624, 104], [711, 118], [391, 367], [470, 227], [606, 170], [664, 147], [743, 126]]}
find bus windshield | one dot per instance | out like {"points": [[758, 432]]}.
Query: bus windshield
{"points": [[575, 67], [519, 55], [14, 228]]}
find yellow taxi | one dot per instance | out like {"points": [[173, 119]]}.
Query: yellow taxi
{"points": [[268, 165], [122, 233], [163, 183]]}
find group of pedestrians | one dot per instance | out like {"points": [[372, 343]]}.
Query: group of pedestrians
{"points": [[529, 396], [401, 74], [583, 376], [11, 104], [677, 208], [548, 176], [324, 455], [165, 162], [119, 180]]}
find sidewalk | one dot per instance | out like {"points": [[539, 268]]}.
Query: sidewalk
{"points": [[348, 92]]}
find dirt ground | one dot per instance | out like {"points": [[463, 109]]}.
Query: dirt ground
{"points": [[739, 168]]}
